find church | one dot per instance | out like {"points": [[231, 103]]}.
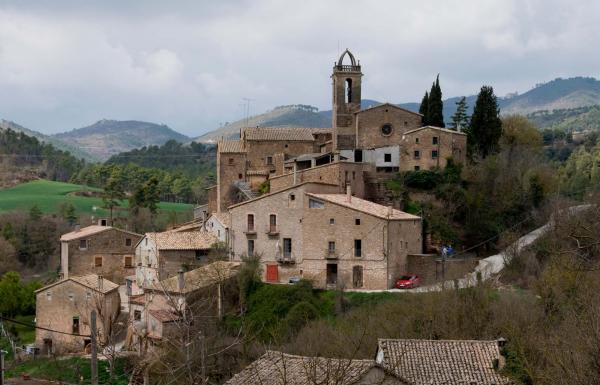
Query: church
{"points": [[363, 149]]}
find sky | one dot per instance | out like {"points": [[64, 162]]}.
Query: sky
{"points": [[192, 65]]}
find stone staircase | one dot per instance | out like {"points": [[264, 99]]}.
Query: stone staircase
{"points": [[245, 190]]}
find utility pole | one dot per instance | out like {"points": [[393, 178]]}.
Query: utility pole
{"points": [[94, 342], [2, 353]]}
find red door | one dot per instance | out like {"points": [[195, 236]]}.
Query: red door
{"points": [[272, 273]]}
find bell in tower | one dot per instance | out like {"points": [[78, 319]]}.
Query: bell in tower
{"points": [[346, 100]]}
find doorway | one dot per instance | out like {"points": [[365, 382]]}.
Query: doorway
{"points": [[358, 156], [332, 270]]}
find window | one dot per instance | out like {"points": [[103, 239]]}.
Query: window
{"points": [[218, 233], [287, 247], [128, 261], [146, 241], [292, 197], [434, 140], [386, 129], [103, 222], [272, 223], [286, 145], [250, 247], [417, 140], [83, 244], [357, 276], [332, 221], [387, 158], [231, 162], [201, 254], [348, 90], [315, 204], [434, 154], [98, 261], [331, 247], [417, 168], [127, 241], [240, 176], [49, 295], [88, 295], [357, 221], [137, 315], [71, 297], [250, 223], [75, 328], [353, 175], [358, 248], [417, 154], [269, 160]]}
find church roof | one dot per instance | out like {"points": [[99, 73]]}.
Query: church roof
{"points": [[434, 128], [300, 134], [386, 105]]}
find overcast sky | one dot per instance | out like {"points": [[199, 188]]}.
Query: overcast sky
{"points": [[189, 64]]}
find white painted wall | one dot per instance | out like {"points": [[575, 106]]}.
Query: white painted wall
{"points": [[215, 227]]}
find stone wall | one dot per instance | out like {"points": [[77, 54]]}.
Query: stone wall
{"points": [[370, 122], [449, 144], [65, 301], [230, 168], [108, 247]]}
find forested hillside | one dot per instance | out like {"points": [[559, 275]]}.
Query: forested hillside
{"points": [[24, 157]]}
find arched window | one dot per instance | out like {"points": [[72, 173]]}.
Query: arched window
{"points": [[348, 90]]}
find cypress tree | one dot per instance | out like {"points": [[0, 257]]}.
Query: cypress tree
{"points": [[485, 129], [424, 109], [460, 119], [436, 105]]}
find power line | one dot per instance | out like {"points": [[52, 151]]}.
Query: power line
{"points": [[40, 327]]}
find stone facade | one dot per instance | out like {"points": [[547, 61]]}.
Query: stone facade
{"points": [[320, 243], [65, 306], [429, 147], [341, 174], [384, 125], [100, 250]]}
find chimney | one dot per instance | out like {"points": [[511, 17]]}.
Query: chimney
{"points": [[100, 282], [180, 280], [390, 211], [348, 193]]}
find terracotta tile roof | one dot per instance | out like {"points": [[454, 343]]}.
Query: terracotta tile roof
{"points": [[276, 368], [139, 299], [163, 315], [90, 281], [89, 231], [231, 146], [434, 128], [190, 226], [292, 134], [223, 217], [364, 206], [429, 362], [199, 278], [183, 240]]}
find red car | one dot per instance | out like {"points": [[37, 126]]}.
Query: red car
{"points": [[408, 282]]}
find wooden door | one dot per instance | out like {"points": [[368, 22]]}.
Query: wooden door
{"points": [[272, 273]]}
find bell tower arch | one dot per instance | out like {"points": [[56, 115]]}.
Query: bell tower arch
{"points": [[346, 100]]}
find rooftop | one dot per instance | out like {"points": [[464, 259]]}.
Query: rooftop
{"points": [[365, 206], [427, 362], [163, 315], [91, 281], [88, 231], [435, 128], [183, 240], [223, 218], [231, 146], [199, 278], [386, 105], [301, 134], [276, 368]]}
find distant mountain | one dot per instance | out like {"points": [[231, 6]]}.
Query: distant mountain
{"points": [[557, 94], [57, 143], [111, 137], [573, 119]]}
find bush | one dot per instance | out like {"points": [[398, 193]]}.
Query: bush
{"points": [[423, 179]]}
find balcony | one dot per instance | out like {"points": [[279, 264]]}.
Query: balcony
{"points": [[331, 254], [347, 68], [250, 231], [286, 258], [272, 231]]}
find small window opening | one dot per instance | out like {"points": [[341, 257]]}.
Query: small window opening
{"points": [[348, 90], [357, 221]]}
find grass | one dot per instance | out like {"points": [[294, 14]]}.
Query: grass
{"points": [[74, 370], [50, 195]]}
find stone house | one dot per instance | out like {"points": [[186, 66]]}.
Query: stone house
{"points": [[156, 313], [397, 362], [312, 231], [65, 306], [430, 147], [159, 256], [101, 250]]}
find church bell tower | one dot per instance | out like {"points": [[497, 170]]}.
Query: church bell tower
{"points": [[346, 101]]}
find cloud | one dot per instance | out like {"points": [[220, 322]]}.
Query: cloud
{"points": [[65, 64]]}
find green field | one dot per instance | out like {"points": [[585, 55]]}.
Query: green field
{"points": [[48, 196]]}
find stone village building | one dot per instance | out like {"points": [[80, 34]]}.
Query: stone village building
{"points": [[311, 231], [102, 250], [65, 306], [371, 144]]}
